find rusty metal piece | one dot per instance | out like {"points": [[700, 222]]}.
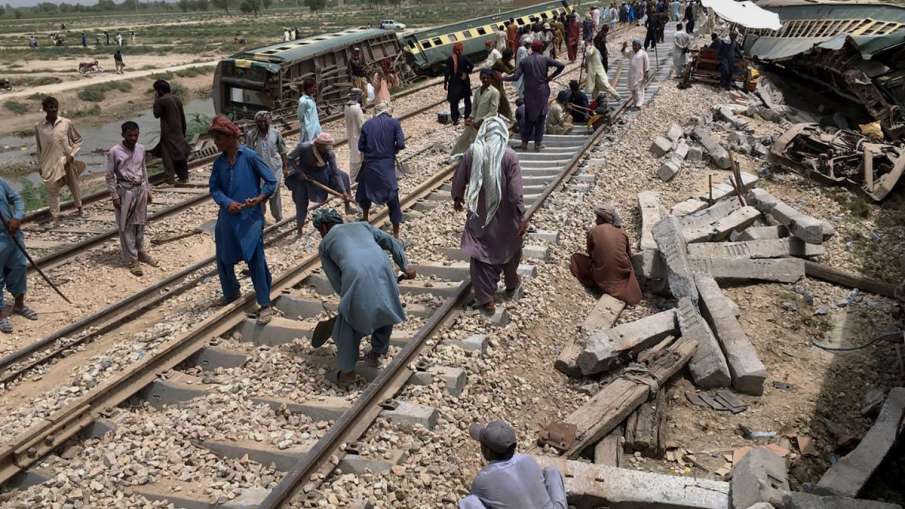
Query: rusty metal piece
{"points": [[843, 158], [390, 404], [559, 435]]}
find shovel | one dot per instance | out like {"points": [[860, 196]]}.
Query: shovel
{"points": [[324, 328]]}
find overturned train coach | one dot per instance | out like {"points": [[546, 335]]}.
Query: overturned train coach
{"points": [[856, 49], [269, 78]]}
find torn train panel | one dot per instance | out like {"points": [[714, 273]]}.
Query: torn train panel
{"points": [[842, 158], [855, 49]]}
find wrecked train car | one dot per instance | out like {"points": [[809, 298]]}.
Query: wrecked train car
{"points": [[856, 49], [842, 158], [269, 78]]}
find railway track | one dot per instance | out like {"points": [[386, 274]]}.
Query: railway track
{"points": [[226, 361]]}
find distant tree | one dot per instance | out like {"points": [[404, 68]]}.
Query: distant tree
{"points": [[315, 5], [266, 4], [2, 11], [221, 4], [201, 5], [184, 5], [18, 14]]}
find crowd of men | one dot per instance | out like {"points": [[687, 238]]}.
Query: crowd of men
{"points": [[102, 38]]}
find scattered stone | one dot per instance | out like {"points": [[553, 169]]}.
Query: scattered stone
{"points": [[688, 206], [714, 149], [675, 132], [671, 243], [649, 203], [660, 146], [669, 168], [708, 366], [604, 348], [760, 476]]}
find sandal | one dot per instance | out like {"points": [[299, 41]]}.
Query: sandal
{"points": [[342, 380], [6, 326], [265, 314], [26, 311]]}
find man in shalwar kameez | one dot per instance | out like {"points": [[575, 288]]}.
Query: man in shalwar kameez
{"points": [[57, 143], [638, 66], [607, 265], [314, 162], [486, 104], [268, 143], [488, 184], [354, 262], [127, 183], [456, 82], [573, 31], [172, 149], [503, 66], [512, 34], [381, 139], [13, 264], [240, 183], [537, 92], [355, 118], [309, 121], [597, 80], [520, 55], [681, 41]]}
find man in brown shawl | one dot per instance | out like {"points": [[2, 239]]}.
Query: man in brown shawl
{"points": [[608, 264], [172, 147]]}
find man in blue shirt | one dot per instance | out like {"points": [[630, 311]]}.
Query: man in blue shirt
{"points": [[381, 139], [240, 183], [13, 263], [309, 121]]}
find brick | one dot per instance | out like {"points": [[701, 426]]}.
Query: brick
{"points": [[760, 476], [604, 349], [774, 248], [708, 365], [688, 206], [720, 229], [669, 168], [748, 372], [675, 132], [849, 475], [649, 203], [724, 270], [714, 149], [668, 235], [694, 154], [660, 146]]}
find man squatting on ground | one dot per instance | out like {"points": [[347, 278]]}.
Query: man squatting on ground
{"points": [[607, 266], [313, 163], [358, 270], [127, 183], [509, 480], [57, 143], [13, 264], [240, 182], [488, 184]]}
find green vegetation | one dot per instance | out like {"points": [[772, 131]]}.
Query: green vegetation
{"points": [[197, 124], [35, 196], [16, 107], [97, 93], [191, 72], [95, 109]]}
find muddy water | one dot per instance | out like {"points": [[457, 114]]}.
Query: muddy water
{"points": [[17, 153]]}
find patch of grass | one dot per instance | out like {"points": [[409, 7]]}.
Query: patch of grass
{"points": [[97, 93], [16, 107], [197, 124], [39, 96], [190, 72], [35, 196], [95, 109], [180, 91]]}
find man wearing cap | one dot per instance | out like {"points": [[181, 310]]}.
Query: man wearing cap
{"points": [[172, 148], [381, 139], [534, 69], [487, 104], [638, 66], [314, 162], [354, 116], [509, 480], [456, 82], [488, 185], [309, 121], [558, 122], [353, 259], [607, 265], [268, 143], [240, 183]]}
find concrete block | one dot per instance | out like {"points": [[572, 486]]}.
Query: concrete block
{"points": [[669, 168], [210, 358], [773, 248], [649, 267], [545, 236], [694, 154], [708, 365], [710, 214], [727, 270], [412, 414], [660, 146], [296, 308], [606, 486], [762, 199], [264, 453], [760, 476], [748, 372], [537, 252], [800, 225], [681, 150], [799, 500], [474, 344], [849, 475], [249, 498], [604, 314], [649, 203], [675, 132], [726, 113], [721, 229], [32, 477], [711, 144], [604, 349], [668, 235], [278, 332], [760, 233], [355, 464], [688, 206], [454, 378]]}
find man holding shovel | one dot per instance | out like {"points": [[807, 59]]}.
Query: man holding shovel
{"points": [[353, 260], [313, 174], [12, 257]]}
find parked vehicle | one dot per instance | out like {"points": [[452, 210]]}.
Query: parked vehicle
{"points": [[389, 24]]}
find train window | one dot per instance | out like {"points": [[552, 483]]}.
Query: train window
{"points": [[437, 42], [481, 31], [425, 43], [543, 15], [467, 34], [452, 37], [520, 21], [411, 44]]}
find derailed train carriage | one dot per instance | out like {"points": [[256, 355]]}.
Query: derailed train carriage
{"points": [[270, 78]]}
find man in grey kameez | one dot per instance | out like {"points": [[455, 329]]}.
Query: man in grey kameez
{"points": [[486, 104], [488, 182], [127, 182], [268, 143], [509, 480], [353, 260]]}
